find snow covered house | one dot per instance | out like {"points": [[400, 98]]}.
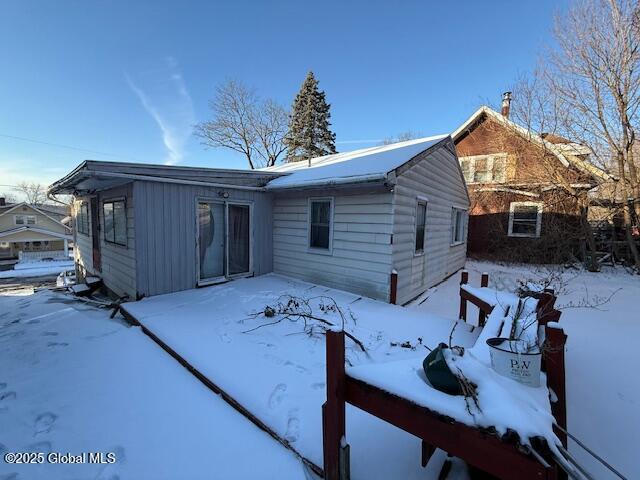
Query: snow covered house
{"points": [[529, 192], [386, 222]]}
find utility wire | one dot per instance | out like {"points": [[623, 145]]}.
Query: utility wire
{"points": [[59, 145]]}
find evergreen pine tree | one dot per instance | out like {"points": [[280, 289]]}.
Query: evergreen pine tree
{"points": [[309, 133]]}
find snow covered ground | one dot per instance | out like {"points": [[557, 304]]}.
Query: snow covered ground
{"points": [[278, 371], [37, 269], [72, 381]]}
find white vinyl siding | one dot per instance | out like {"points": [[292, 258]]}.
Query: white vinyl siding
{"points": [[360, 258], [435, 176]]}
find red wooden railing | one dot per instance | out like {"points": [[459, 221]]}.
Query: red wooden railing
{"points": [[478, 447]]}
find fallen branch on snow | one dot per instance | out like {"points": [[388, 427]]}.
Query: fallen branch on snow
{"points": [[294, 309]]}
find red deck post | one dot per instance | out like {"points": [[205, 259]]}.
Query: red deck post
{"points": [[553, 355], [484, 282], [393, 287], [333, 411], [464, 279]]}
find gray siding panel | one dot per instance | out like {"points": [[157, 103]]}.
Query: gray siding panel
{"points": [[437, 177], [118, 262], [166, 237], [360, 260]]}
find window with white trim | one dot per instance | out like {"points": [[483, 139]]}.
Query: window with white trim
{"points": [[24, 219], [421, 220], [320, 223], [458, 225], [525, 219], [115, 222], [82, 218], [485, 168]]}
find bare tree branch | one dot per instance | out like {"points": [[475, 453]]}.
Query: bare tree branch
{"points": [[244, 123]]}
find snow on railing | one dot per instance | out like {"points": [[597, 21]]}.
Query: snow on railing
{"points": [[41, 255]]}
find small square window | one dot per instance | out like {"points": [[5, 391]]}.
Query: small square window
{"points": [[525, 219]]}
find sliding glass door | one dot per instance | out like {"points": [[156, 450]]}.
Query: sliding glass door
{"points": [[224, 240]]}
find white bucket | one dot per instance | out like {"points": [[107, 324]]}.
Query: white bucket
{"points": [[507, 360]]}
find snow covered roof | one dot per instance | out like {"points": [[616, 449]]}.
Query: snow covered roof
{"points": [[364, 165], [568, 153]]}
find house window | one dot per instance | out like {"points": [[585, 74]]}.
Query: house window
{"points": [[484, 168], [320, 220], [525, 219], [458, 220], [25, 219], [421, 220], [115, 222], [82, 218]]}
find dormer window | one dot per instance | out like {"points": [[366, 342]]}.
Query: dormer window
{"points": [[484, 168]]}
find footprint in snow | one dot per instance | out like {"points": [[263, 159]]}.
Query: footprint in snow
{"points": [[3, 449], [3, 385], [225, 338], [49, 334], [6, 396], [44, 422], [299, 368], [57, 344], [318, 385], [119, 452], [106, 471], [277, 395], [10, 476], [39, 447], [293, 426]]}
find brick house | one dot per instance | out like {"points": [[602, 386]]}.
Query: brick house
{"points": [[528, 192]]}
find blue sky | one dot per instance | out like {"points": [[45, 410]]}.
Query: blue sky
{"points": [[127, 80]]}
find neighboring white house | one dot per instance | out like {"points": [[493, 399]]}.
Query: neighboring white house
{"points": [[386, 222], [29, 232]]}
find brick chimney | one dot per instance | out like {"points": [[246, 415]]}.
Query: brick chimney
{"points": [[506, 104], [3, 202]]}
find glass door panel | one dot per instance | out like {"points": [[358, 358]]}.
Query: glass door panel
{"points": [[239, 235], [211, 240]]}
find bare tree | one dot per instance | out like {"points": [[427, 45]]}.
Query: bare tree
{"points": [[587, 89], [8, 197], [401, 137], [35, 193], [246, 124], [594, 76]]}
